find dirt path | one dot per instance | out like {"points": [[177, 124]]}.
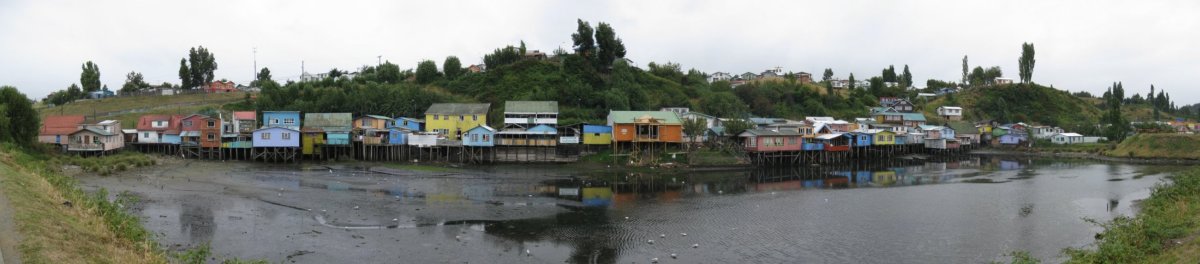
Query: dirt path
{"points": [[8, 234]]}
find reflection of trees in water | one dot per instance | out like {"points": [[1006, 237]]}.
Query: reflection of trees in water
{"points": [[587, 231], [196, 219]]}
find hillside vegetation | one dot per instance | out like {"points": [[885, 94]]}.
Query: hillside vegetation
{"points": [[1163, 145], [59, 223], [128, 109], [1030, 103]]}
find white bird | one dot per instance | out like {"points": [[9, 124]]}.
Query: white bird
{"points": [[695, 245], [649, 241], [654, 260], [826, 200], [626, 218], [355, 207], [330, 170], [322, 210], [662, 235], [683, 234], [527, 253], [674, 256], [395, 219]]}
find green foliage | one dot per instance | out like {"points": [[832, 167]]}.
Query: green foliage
{"points": [[827, 75], [1025, 62], [906, 78], [852, 83], [980, 76], [201, 65], [582, 40], [502, 56], [737, 126], [366, 97], [427, 72], [1117, 126], [610, 46], [1031, 103], [1169, 213], [965, 69], [185, 75], [889, 74], [134, 82], [722, 104], [18, 120], [1023, 257], [452, 68], [196, 255], [90, 78], [694, 127]]}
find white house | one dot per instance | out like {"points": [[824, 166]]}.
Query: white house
{"points": [[1066, 138], [1045, 132], [952, 113], [709, 121], [678, 110], [719, 76]]}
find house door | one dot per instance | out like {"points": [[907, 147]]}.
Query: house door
{"points": [[57, 139]]}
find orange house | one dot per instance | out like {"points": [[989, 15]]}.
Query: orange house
{"points": [[646, 126]]}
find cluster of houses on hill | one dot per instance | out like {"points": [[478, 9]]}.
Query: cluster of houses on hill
{"points": [[770, 74]]}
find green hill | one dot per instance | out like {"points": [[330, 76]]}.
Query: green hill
{"points": [[1030, 103], [1165, 145], [128, 109]]}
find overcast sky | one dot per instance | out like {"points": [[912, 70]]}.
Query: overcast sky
{"points": [[1081, 45]]}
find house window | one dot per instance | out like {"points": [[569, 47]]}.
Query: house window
{"points": [[460, 118], [486, 138], [287, 136], [289, 121], [474, 117], [275, 121], [365, 122], [624, 131], [211, 137], [212, 124], [792, 141], [146, 134], [266, 136], [187, 123]]}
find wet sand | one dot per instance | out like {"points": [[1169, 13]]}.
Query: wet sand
{"points": [[324, 214]]}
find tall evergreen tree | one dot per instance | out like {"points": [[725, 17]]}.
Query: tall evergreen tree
{"points": [[964, 70], [906, 78], [610, 46], [827, 76], [584, 44], [1026, 62], [452, 68], [851, 85], [185, 75]]}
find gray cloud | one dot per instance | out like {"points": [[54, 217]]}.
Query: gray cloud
{"points": [[1081, 45]]}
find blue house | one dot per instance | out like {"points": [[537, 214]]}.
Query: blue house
{"points": [[412, 124], [272, 137], [1012, 139], [398, 136], [286, 119], [859, 139], [480, 136]]}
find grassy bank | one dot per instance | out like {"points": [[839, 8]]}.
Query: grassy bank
{"points": [[1165, 231], [108, 164], [128, 109], [1170, 146], [88, 229], [1097, 148]]}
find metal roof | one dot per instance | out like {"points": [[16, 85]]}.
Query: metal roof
{"points": [[531, 107], [768, 132], [93, 130], [328, 121], [629, 117], [457, 109], [60, 125]]}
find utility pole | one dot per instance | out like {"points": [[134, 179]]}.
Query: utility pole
{"points": [[254, 72], [378, 60]]}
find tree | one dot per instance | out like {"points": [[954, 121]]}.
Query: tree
{"points": [[584, 44], [501, 57], [1154, 103], [20, 121], [427, 72], [610, 46], [737, 126], [388, 73], [722, 104], [625, 79], [453, 68], [906, 78], [133, 83], [694, 128], [185, 75], [263, 76], [201, 65], [828, 75], [90, 78], [889, 74], [851, 81], [964, 71], [334, 73], [1117, 128], [1026, 62]]}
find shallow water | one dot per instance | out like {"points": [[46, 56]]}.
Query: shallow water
{"points": [[967, 210]]}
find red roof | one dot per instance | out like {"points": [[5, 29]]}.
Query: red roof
{"points": [[245, 115], [60, 125], [145, 123]]}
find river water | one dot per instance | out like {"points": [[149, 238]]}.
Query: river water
{"points": [[962, 210]]}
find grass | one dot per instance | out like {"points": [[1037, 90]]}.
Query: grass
{"points": [[108, 164], [1165, 145], [172, 104], [1165, 230], [91, 229]]}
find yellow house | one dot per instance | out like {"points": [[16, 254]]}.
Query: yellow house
{"points": [[452, 120], [883, 137]]}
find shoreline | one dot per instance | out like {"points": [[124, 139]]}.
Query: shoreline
{"points": [[1085, 155]]}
